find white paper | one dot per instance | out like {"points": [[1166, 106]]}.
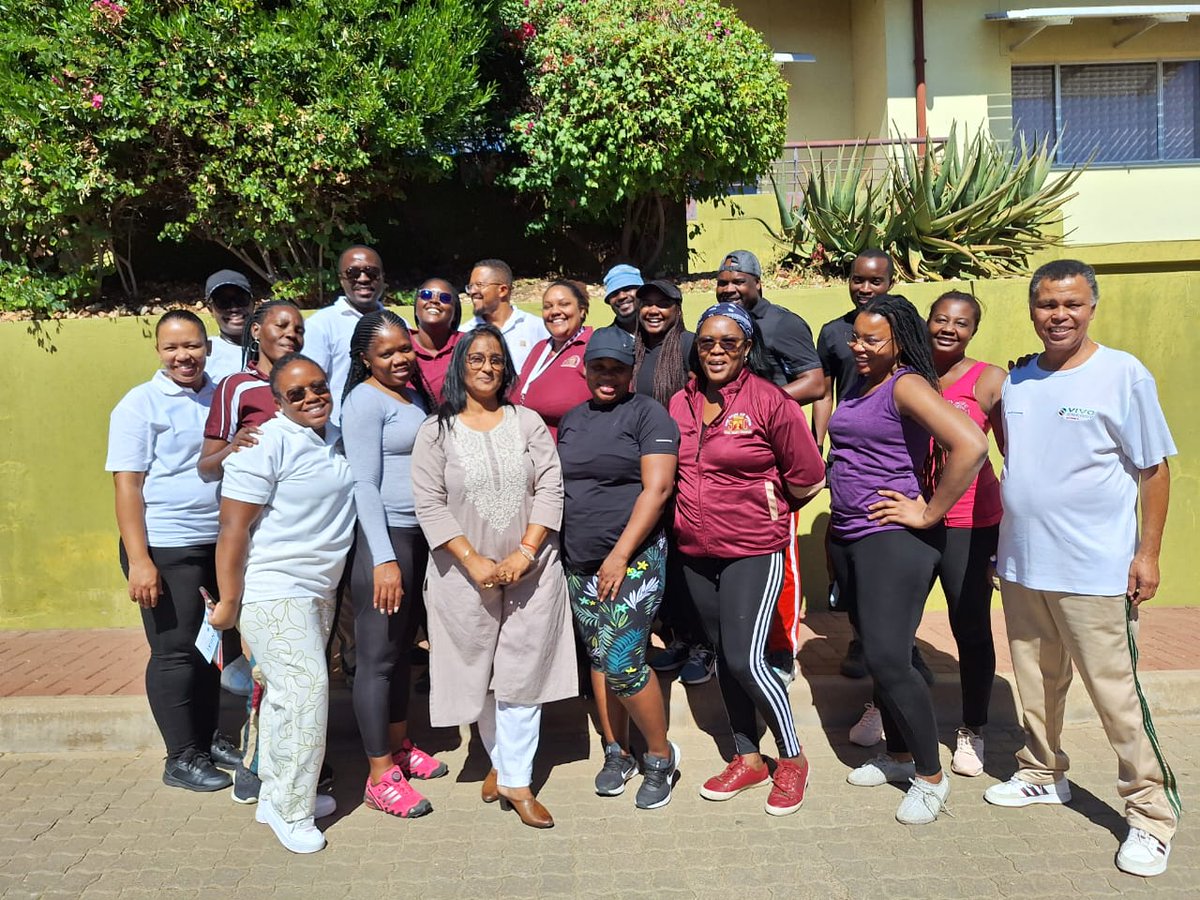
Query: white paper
{"points": [[208, 641]]}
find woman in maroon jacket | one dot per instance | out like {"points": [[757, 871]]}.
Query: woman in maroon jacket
{"points": [[553, 380], [746, 457]]}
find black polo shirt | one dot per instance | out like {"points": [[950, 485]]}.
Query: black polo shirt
{"points": [[837, 359], [788, 340]]}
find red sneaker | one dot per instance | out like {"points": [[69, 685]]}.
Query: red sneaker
{"points": [[790, 783], [395, 796], [736, 778], [416, 763]]}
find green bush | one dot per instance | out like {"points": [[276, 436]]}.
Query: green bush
{"points": [[264, 127], [631, 103]]}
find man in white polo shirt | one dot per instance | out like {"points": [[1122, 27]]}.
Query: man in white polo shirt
{"points": [[490, 290], [1086, 441]]}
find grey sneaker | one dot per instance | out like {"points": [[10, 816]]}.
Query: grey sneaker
{"points": [[923, 802], [656, 780], [246, 785], [881, 770], [618, 768]]}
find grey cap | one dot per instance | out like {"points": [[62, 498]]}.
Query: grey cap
{"points": [[741, 261], [610, 343], [225, 278]]}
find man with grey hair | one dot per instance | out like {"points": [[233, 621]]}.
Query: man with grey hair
{"points": [[1086, 441]]}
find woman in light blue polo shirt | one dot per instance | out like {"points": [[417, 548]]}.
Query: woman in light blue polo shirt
{"points": [[167, 518]]}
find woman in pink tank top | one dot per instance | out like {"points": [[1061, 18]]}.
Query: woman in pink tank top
{"points": [[973, 524]]}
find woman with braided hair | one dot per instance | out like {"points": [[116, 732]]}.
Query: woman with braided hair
{"points": [[385, 403], [662, 346], [887, 533]]}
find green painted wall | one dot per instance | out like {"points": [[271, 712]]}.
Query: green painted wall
{"points": [[58, 559]]}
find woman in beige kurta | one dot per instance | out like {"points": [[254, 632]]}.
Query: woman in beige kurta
{"points": [[488, 490]]}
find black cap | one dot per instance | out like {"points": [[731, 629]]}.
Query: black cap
{"points": [[610, 343], [667, 288], [225, 278]]}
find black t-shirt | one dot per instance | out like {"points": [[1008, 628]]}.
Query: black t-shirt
{"points": [[645, 379], [788, 340], [837, 359], [601, 448]]}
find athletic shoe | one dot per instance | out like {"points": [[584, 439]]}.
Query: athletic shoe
{"points": [[395, 796], [671, 657], [736, 778], [922, 667], [968, 754], [325, 806], [787, 787], [700, 667], [882, 770], [224, 752], [246, 785], [784, 665], [868, 730], [236, 678], [618, 768], [1016, 793], [655, 790], [1143, 854], [416, 763], [299, 837], [195, 772], [325, 778], [923, 802], [854, 664]]}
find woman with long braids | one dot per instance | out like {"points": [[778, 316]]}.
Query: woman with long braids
{"points": [[886, 515], [384, 406], [552, 380], [438, 312], [661, 346]]}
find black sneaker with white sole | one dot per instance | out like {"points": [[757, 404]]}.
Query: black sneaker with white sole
{"points": [[246, 786], [657, 777]]}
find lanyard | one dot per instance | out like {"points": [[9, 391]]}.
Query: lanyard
{"points": [[544, 360]]}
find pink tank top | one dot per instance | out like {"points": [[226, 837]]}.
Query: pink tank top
{"points": [[980, 505]]}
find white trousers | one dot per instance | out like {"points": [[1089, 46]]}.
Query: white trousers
{"points": [[510, 735], [287, 638]]}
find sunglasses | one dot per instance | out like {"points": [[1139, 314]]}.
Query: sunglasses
{"points": [[356, 272], [297, 394], [730, 345], [441, 296]]}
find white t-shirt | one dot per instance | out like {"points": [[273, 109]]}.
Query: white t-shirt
{"points": [[327, 334], [521, 332], [298, 546], [1076, 440], [225, 359], [158, 428]]}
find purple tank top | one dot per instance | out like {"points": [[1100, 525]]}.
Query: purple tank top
{"points": [[871, 446]]}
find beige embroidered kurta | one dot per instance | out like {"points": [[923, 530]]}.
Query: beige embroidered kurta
{"points": [[515, 640]]}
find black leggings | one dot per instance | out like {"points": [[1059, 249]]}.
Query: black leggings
{"points": [[735, 600], [964, 576], [382, 643], [183, 689], [886, 577]]}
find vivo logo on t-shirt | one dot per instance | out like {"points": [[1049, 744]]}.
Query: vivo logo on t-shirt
{"points": [[1076, 413]]}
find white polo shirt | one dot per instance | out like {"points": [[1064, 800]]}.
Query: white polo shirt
{"points": [[327, 334], [298, 546], [158, 428], [225, 359], [521, 332]]}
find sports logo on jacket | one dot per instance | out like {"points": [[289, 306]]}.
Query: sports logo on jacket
{"points": [[738, 423]]}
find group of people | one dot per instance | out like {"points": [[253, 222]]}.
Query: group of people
{"points": [[516, 486]]}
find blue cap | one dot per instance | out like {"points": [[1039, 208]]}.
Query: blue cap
{"points": [[621, 277]]}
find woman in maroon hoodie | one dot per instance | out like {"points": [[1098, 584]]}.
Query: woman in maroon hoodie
{"points": [[746, 457]]}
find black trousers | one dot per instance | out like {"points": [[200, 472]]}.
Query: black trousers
{"points": [[886, 576], [963, 572], [382, 643], [183, 689]]}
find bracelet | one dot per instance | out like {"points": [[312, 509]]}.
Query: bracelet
{"points": [[465, 556], [526, 552]]}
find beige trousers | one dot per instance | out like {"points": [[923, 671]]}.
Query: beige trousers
{"points": [[1047, 632]]}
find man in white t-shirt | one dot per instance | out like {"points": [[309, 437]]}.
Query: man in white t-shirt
{"points": [[1086, 440], [490, 290], [230, 303]]}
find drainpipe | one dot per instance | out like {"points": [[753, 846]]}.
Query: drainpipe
{"points": [[918, 17]]}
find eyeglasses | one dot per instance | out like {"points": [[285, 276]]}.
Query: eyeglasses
{"points": [[866, 343], [477, 360], [297, 394], [356, 272], [440, 296], [480, 285], [728, 344]]}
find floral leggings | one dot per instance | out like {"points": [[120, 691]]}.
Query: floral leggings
{"points": [[617, 631]]}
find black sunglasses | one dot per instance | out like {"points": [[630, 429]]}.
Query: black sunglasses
{"points": [[356, 272]]}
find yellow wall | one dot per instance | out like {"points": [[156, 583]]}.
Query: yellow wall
{"points": [[58, 558]]}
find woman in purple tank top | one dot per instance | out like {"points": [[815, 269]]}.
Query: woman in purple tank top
{"points": [[886, 513]]}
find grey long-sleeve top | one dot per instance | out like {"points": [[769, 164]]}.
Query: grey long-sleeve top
{"points": [[378, 433]]}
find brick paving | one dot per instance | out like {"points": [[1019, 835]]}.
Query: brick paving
{"points": [[111, 662]]}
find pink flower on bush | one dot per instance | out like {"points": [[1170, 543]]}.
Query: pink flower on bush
{"points": [[97, 101], [109, 11]]}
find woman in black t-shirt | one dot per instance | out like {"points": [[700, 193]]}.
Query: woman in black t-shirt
{"points": [[619, 452]]}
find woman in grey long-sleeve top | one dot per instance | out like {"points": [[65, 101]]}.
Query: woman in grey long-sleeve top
{"points": [[489, 496], [385, 404]]}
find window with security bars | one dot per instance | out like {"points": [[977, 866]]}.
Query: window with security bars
{"points": [[1140, 112]]}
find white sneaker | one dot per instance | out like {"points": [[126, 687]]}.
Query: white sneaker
{"points": [[923, 802], [1143, 854], [881, 770], [1017, 793], [236, 677], [299, 837], [868, 730], [968, 754]]}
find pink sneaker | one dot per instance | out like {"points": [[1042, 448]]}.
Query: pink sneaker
{"points": [[416, 763], [395, 796]]}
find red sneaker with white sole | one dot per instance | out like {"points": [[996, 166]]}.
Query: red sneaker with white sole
{"points": [[736, 778], [788, 787]]}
